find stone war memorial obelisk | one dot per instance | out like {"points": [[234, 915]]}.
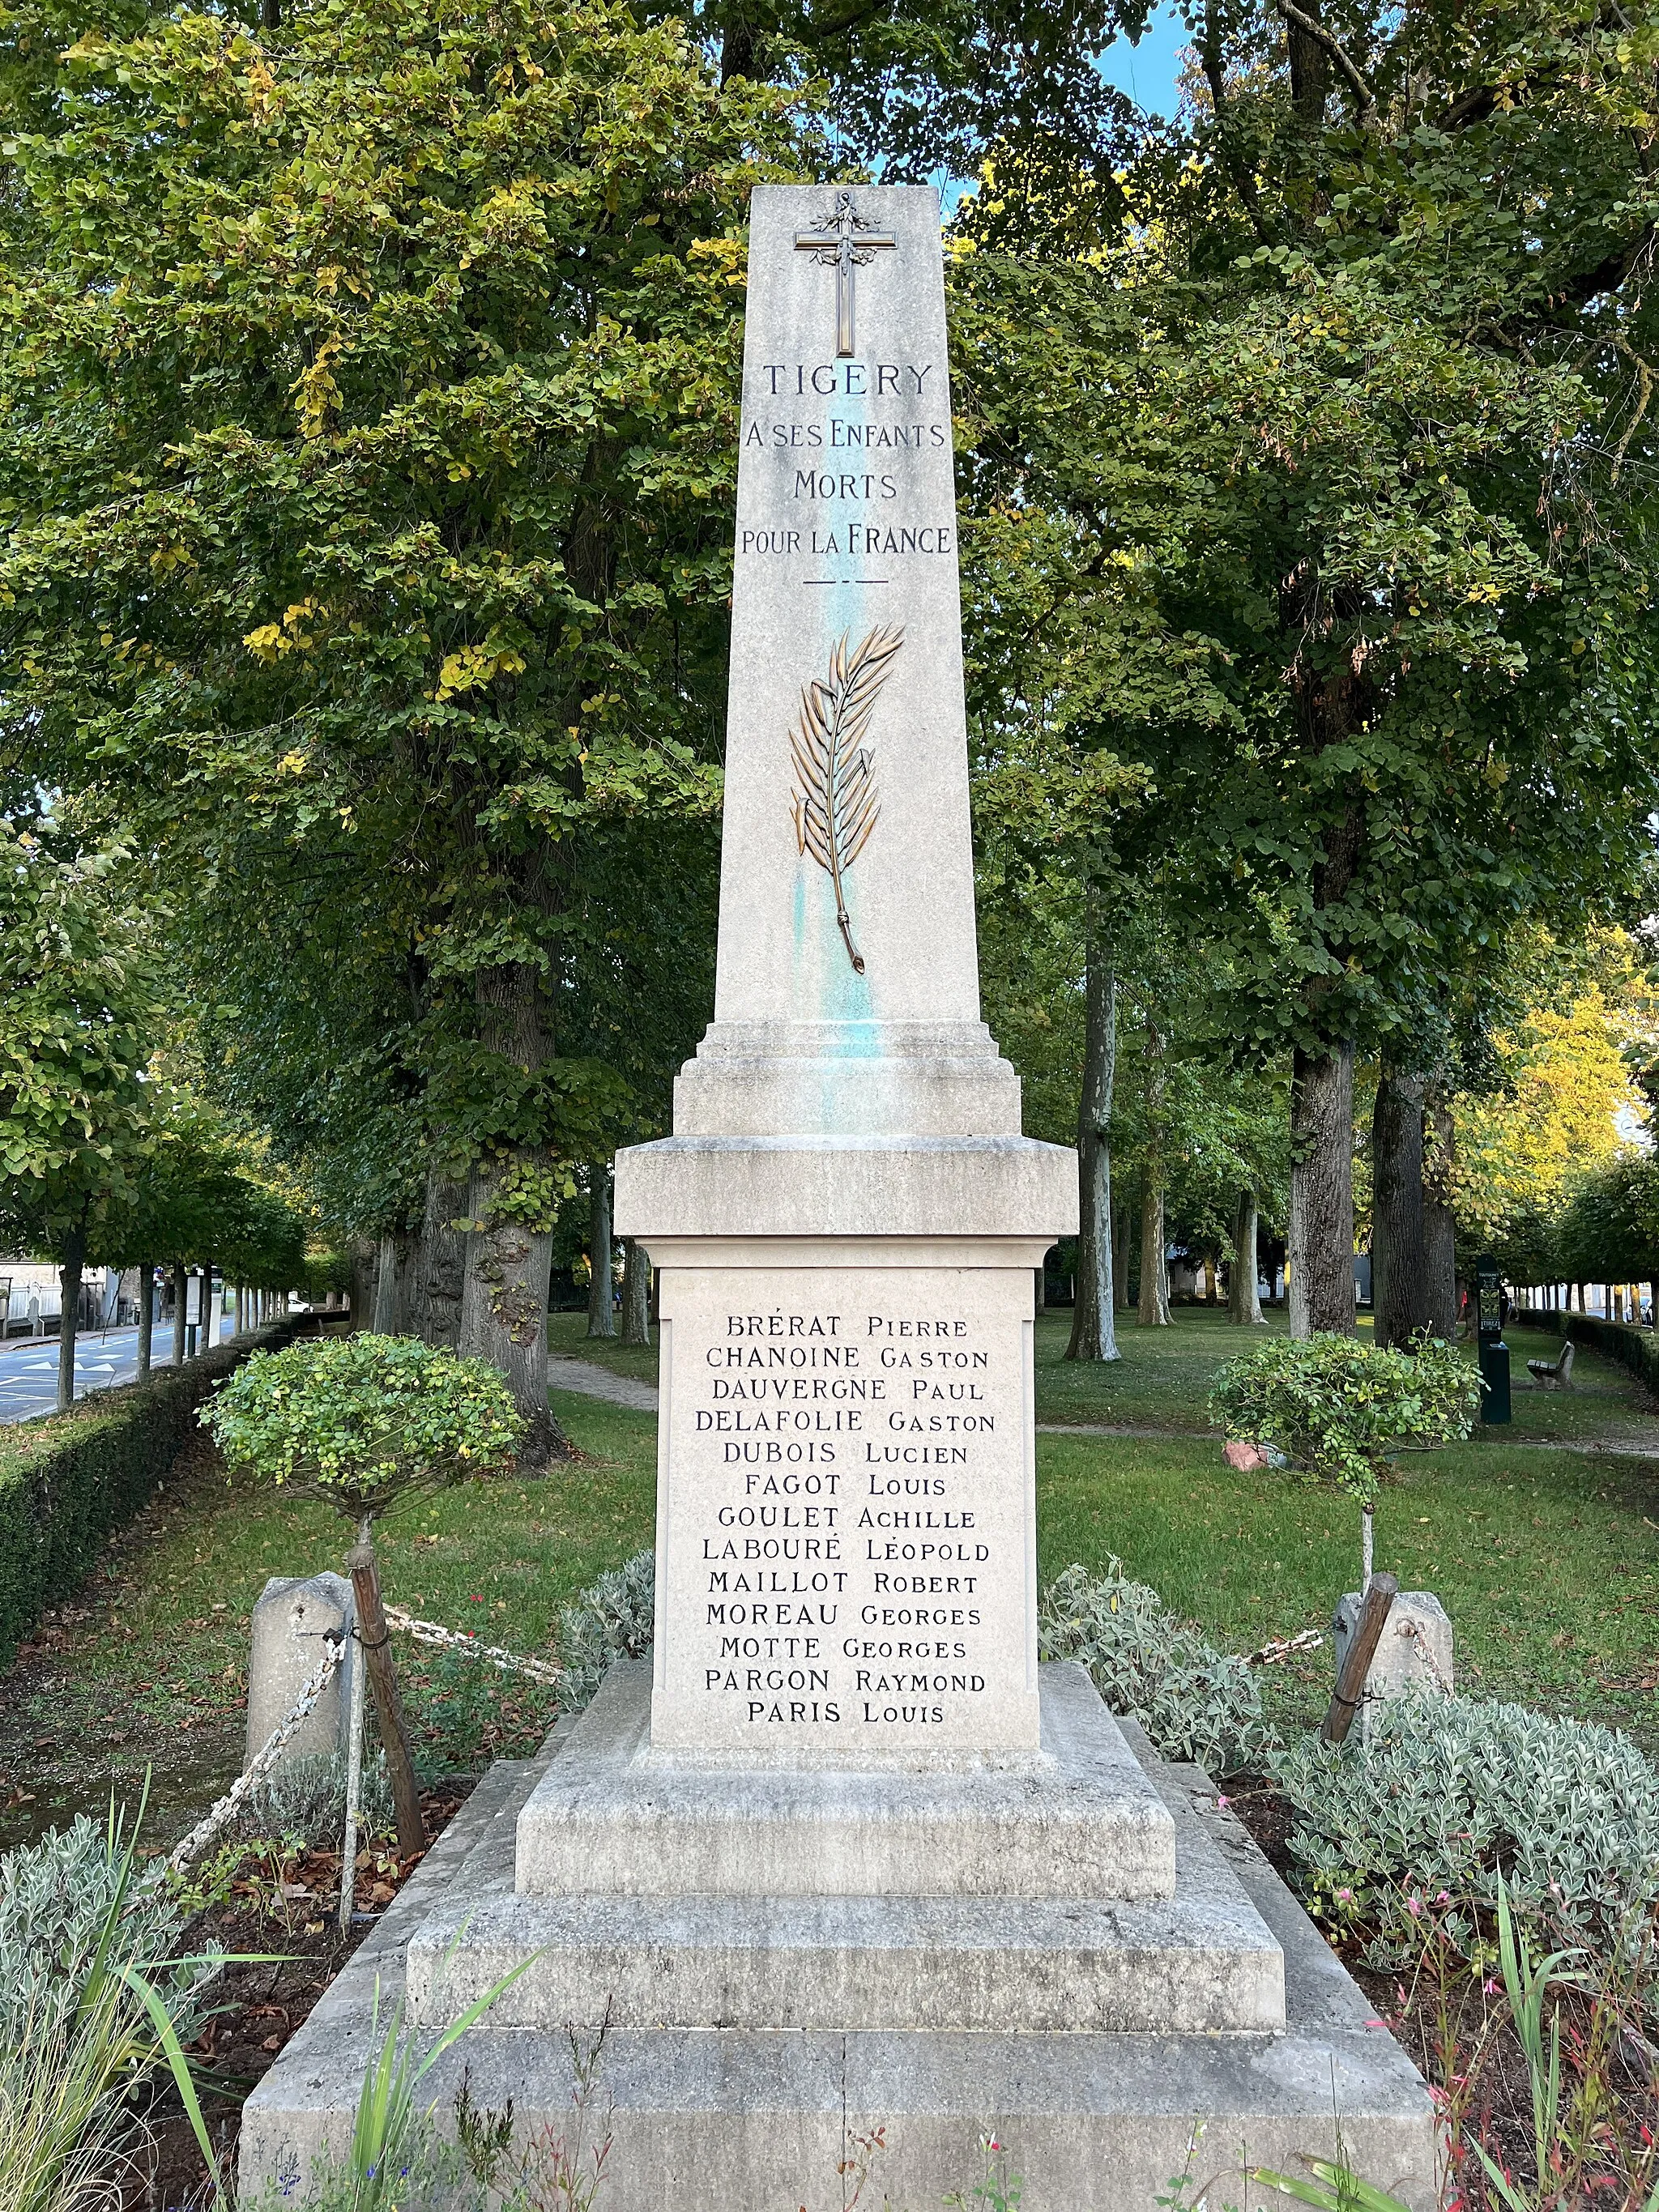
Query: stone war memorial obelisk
{"points": [[841, 1881], [847, 1218]]}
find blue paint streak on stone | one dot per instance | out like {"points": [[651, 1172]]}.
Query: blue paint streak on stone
{"points": [[847, 1000]]}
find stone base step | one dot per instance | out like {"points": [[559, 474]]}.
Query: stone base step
{"points": [[1192, 1966], [712, 2120], [731, 2120], [612, 1816]]}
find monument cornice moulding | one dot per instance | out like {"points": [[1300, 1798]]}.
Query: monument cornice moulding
{"points": [[1022, 1253]]}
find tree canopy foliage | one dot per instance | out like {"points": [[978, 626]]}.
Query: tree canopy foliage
{"points": [[370, 381]]}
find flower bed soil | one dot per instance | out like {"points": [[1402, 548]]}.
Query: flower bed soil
{"points": [[1455, 2025], [293, 1910]]}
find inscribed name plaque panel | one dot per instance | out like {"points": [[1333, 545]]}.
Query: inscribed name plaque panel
{"points": [[846, 846], [846, 1566]]}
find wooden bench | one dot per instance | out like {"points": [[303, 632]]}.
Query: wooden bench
{"points": [[1554, 1374]]}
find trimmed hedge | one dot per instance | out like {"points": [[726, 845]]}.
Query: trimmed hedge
{"points": [[68, 1481], [1635, 1348]]}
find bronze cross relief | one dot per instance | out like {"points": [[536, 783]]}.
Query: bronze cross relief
{"points": [[844, 241]]}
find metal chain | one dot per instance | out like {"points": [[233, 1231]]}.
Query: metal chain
{"points": [[424, 1632], [1277, 1648]]}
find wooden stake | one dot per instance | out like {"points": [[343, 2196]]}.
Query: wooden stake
{"points": [[374, 1642], [1356, 1664]]}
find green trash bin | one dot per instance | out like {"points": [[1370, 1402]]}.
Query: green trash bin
{"points": [[1495, 1374]]}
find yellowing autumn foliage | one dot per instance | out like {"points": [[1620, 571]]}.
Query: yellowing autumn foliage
{"points": [[1567, 1092]]}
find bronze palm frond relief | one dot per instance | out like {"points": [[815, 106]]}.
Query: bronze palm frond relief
{"points": [[836, 805]]}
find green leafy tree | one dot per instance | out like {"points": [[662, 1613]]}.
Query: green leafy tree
{"points": [[1318, 412], [1341, 1410], [371, 459], [80, 1015]]}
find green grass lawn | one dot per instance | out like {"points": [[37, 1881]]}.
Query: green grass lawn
{"points": [[1547, 1560], [148, 1668], [568, 1332]]}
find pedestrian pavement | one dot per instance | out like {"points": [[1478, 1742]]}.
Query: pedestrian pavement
{"points": [[566, 1372], [28, 1367]]}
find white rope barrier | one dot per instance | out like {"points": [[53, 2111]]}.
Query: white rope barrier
{"points": [[424, 1632], [494, 1655], [261, 1763]]}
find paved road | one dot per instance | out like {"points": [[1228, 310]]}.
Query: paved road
{"points": [[28, 1370], [28, 1367]]}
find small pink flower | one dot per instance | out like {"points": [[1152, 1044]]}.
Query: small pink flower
{"points": [[1344, 1897], [1414, 1906], [1444, 1898], [1221, 1803], [1489, 1989]]}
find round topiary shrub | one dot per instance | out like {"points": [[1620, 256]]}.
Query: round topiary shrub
{"points": [[359, 1421], [1341, 1410]]}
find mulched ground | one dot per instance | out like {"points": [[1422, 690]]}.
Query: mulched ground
{"points": [[289, 1909]]}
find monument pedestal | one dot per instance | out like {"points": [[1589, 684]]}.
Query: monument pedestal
{"points": [[764, 2045], [845, 1523]]}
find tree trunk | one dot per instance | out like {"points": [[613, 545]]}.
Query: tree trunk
{"points": [[1094, 1327], [504, 1302], [636, 1292], [1400, 1288], [1439, 1227], [1310, 69], [439, 1268], [1154, 1310], [387, 1280], [69, 1276], [1322, 1193], [375, 1645], [1122, 1217], [601, 1282], [740, 48], [1243, 1299], [146, 1315], [364, 1258], [509, 1247]]}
